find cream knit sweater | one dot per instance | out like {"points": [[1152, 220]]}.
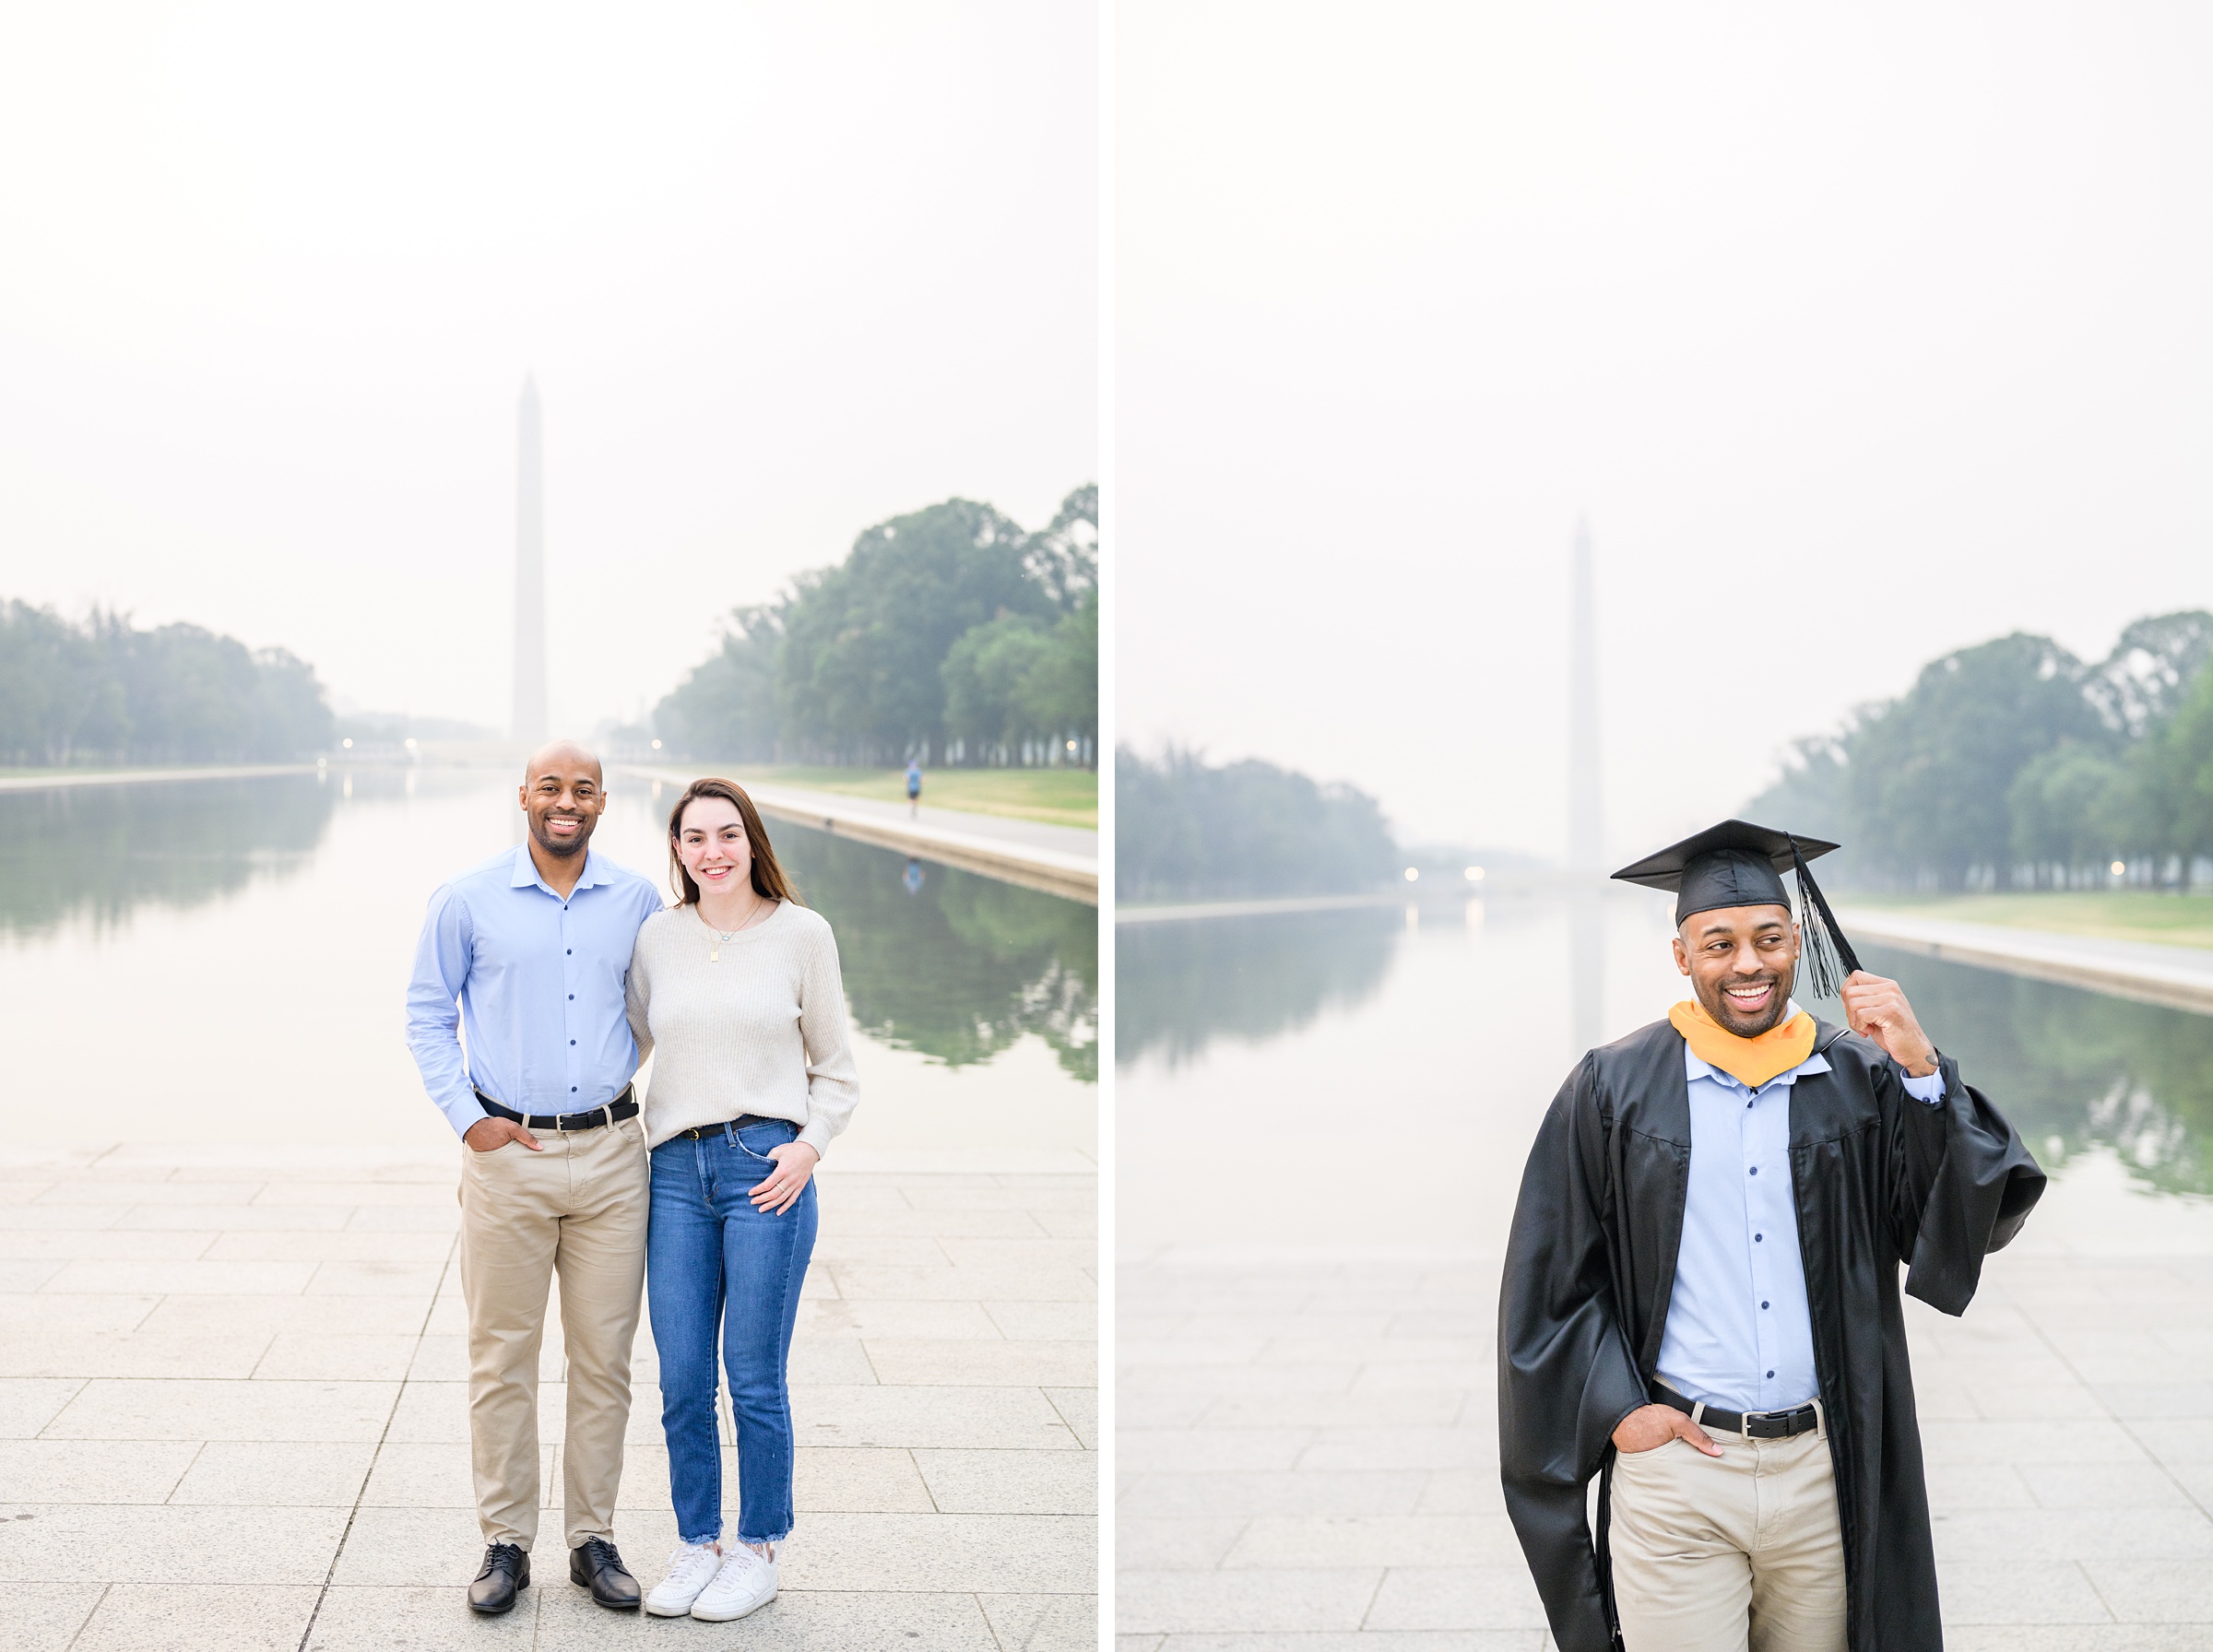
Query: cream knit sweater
{"points": [[762, 1032]]}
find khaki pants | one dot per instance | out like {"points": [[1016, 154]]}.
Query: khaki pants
{"points": [[577, 1207], [1721, 1554]]}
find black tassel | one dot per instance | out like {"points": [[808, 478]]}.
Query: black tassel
{"points": [[1824, 958]]}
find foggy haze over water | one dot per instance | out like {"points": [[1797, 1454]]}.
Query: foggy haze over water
{"points": [[276, 277], [1859, 335]]}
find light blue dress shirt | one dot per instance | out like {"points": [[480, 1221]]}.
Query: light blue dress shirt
{"points": [[1739, 1332], [534, 982]]}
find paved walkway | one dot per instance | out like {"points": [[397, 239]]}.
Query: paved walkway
{"points": [[2178, 978], [1197, 911], [233, 1414], [1062, 860], [1308, 1451], [76, 777], [1080, 841]]}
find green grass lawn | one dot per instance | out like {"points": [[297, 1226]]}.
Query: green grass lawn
{"points": [[2114, 915], [1056, 796]]}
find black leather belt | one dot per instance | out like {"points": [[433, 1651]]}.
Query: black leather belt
{"points": [[701, 1132], [1757, 1425], [621, 1107]]}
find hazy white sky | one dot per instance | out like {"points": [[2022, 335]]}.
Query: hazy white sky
{"points": [[271, 277], [1859, 333]]}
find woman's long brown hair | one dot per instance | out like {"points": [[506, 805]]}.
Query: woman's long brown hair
{"points": [[768, 876]]}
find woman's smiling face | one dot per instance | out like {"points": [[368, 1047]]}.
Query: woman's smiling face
{"points": [[711, 842]]}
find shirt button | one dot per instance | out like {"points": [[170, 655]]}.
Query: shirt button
{"points": [[1763, 1305], [572, 1091], [1770, 1374], [572, 997], [1757, 1237], [571, 952], [1756, 1170], [572, 1041]]}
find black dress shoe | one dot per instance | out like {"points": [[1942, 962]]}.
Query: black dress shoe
{"points": [[507, 1572], [596, 1565]]}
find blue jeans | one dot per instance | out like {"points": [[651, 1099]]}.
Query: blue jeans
{"points": [[711, 1257]]}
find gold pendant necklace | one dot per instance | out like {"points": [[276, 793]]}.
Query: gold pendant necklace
{"points": [[723, 938]]}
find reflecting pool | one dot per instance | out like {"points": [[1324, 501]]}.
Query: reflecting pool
{"points": [[2079, 1071], [223, 962], [1369, 1080]]}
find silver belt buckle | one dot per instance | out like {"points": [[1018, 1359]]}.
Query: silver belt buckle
{"points": [[1782, 1416]]}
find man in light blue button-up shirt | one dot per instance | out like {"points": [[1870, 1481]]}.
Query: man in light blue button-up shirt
{"points": [[517, 990], [515, 1019], [1740, 1332]]}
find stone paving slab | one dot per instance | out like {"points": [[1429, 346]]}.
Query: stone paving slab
{"points": [[1307, 1468], [233, 1413]]}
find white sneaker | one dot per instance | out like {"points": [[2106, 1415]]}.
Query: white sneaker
{"points": [[691, 1569], [746, 1583]]}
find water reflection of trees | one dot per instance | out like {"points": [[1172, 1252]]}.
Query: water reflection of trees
{"points": [[1179, 986], [96, 852], [2086, 1068], [959, 969]]}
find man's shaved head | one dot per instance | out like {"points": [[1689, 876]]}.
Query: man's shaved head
{"points": [[563, 794], [560, 757]]}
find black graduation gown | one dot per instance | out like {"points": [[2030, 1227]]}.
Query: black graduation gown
{"points": [[1879, 1179]]}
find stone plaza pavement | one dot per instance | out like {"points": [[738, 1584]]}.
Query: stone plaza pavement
{"points": [[1307, 1454], [233, 1414]]}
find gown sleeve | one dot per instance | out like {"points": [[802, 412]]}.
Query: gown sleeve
{"points": [[1961, 1184], [1566, 1376]]}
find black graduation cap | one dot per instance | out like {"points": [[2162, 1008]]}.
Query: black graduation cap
{"points": [[1738, 864]]}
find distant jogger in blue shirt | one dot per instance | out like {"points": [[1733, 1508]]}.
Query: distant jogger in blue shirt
{"points": [[528, 954]]}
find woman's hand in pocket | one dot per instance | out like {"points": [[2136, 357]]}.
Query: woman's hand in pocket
{"points": [[795, 1161]]}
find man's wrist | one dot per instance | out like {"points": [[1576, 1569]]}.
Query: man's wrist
{"points": [[1925, 1079]]}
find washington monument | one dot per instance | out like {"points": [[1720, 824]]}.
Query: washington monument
{"points": [[529, 727], [1586, 817]]}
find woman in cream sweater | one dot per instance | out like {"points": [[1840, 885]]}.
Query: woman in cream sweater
{"points": [[736, 993]]}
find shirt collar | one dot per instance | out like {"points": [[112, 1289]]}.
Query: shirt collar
{"points": [[1695, 1068], [525, 875]]}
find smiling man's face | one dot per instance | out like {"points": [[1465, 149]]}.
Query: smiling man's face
{"points": [[563, 798], [1741, 960]]}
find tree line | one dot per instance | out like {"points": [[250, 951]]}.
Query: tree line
{"points": [[2015, 764], [100, 690], [1189, 829], [950, 635]]}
